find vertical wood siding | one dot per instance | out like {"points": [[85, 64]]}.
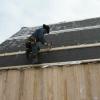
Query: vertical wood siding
{"points": [[77, 82]]}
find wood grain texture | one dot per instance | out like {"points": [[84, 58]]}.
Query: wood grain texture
{"points": [[76, 82]]}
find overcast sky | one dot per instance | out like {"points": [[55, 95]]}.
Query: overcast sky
{"points": [[15, 14]]}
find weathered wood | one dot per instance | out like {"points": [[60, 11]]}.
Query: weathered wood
{"points": [[3, 78], [12, 85], [76, 82], [32, 85]]}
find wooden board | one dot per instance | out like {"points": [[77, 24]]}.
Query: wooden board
{"points": [[77, 82]]}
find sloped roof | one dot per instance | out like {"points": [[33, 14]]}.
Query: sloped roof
{"points": [[16, 42], [61, 35]]}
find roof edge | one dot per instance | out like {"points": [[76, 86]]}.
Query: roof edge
{"points": [[46, 65]]}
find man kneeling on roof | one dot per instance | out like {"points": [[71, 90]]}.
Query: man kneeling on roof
{"points": [[32, 42]]}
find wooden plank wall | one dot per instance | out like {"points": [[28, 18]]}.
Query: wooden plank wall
{"points": [[77, 82]]}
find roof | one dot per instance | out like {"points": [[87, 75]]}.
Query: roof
{"points": [[63, 35], [16, 42]]}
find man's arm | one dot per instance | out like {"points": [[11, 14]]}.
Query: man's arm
{"points": [[44, 42]]}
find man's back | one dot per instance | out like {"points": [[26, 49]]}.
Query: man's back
{"points": [[39, 35]]}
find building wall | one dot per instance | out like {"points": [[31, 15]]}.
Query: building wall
{"points": [[77, 82]]}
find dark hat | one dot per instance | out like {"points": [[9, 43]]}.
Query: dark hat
{"points": [[46, 27]]}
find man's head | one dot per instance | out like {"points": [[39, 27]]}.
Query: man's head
{"points": [[46, 27]]}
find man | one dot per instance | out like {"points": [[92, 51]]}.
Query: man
{"points": [[32, 42]]}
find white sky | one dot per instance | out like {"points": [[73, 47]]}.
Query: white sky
{"points": [[15, 14]]}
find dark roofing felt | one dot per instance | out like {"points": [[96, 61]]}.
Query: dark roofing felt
{"points": [[85, 36], [63, 39]]}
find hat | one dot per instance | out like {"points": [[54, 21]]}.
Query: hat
{"points": [[46, 27]]}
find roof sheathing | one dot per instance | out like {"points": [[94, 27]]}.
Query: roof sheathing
{"points": [[71, 33]]}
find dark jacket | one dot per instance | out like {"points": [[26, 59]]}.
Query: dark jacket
{"points": [[39, 35]]}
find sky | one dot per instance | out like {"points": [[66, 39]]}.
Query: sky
{"points": [[15, 14]]}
